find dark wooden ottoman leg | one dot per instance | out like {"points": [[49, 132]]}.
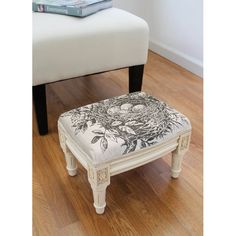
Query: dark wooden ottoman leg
{"points": [[40, 105], [135, 78]]}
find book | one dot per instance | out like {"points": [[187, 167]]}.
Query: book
{"points": [[79, 8]]}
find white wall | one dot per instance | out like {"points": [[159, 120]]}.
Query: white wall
{"points": [[137, 7], [176, 29]]}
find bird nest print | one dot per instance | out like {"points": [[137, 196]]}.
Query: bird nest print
{"points": [[139, 119]]}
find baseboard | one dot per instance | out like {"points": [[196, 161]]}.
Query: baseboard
{"points": [[189, 63]]}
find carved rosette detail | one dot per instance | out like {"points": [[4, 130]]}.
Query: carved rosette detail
{"points": [[184, 142], [99, 177], [102, 176]]}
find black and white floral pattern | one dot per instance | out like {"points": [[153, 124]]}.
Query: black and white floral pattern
{"points": [[132, 121]]}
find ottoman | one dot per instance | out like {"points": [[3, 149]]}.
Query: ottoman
{"points": [[119, 134], [66, 47]]}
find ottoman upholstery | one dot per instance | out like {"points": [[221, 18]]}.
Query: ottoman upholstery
{"points": [[121, 133], [65, 47]]}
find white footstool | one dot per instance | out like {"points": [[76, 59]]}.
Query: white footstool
{"points": [[119, 134]]}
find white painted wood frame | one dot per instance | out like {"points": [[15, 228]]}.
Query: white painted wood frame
{"points": [[99, 175]]}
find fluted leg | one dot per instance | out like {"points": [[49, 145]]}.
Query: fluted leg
{"points": [[178, 154], [176, 164], [71, 163], [99, 196], [99, 179]]}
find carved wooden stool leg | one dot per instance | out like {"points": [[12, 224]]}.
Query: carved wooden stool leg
{"points": [[71, 163], [178, 153], [99, 179], [99, 196], [176, 164]]}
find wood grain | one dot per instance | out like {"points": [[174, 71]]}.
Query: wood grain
{"points": [[143, 201]]}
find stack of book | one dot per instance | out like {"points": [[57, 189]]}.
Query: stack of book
{"points": [[79, 8]]}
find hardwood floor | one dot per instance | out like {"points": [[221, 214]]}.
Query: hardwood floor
{"points": [[144, 201]]}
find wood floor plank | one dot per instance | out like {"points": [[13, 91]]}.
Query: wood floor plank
{"points": [[43, 222], [185, 204], [147, 212], [52, 189], [144, 201]]}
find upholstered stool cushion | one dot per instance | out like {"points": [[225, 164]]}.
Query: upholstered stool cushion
{"points": [[109, 129], [110, 39], [119, 134]]}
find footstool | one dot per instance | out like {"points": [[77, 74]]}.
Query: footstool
{"points": [[119, 134]]}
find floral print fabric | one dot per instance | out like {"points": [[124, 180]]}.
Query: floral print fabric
{"points": [[125, 124]]}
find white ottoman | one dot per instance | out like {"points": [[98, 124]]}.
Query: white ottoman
{"points": [[66, 47], [119, 134]]}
